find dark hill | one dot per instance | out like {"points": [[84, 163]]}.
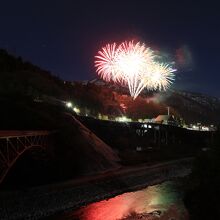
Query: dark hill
{"points": [[31, 99], [192, 107], [22, 79]]}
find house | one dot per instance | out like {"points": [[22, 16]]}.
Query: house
{"points": [[166, 119]]}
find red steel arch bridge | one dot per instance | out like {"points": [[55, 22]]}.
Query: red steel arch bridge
{"points": [[14, 143]]}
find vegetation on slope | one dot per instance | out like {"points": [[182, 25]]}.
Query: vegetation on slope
{"points": [[22, 79]]}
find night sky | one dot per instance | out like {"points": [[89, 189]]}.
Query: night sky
{"points": [[64, 36]]}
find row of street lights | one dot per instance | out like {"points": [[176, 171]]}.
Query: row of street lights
{"points": [[75, 109]]}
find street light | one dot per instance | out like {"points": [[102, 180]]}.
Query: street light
{"points": [[69, 104], [77, 110]]}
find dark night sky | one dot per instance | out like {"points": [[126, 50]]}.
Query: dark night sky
{"points": [[63, 36]]}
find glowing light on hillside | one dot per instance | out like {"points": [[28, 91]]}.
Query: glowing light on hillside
{"points": [[77, 110], [133, 64], [69, 104], [123, 119]]}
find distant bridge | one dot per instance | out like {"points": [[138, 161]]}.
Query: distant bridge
{"points": [[14, 143], [146, 135]]}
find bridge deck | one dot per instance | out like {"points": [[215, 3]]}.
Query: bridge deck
{"points": [[18, 133]]}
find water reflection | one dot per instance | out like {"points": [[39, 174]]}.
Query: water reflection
{"points": [[155, 202]]}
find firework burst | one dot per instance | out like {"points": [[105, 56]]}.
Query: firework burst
{"points": [[134, 65], [106, 62], [161, 76]]}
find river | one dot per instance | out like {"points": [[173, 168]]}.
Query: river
{"points": [[163, 201]]}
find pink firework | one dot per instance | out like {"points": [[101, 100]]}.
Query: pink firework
{"points": [[132, 64], [106, 62]]}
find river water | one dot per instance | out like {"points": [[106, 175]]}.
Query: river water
{"points": [[163, 201]]}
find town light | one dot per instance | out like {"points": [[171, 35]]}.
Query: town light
{"points": [[69, 104], [123, 119], [77, 110]]}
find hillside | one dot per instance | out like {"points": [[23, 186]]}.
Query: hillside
{"points": [[19, 79], [191, 107], [29, 100], [32, 98]]}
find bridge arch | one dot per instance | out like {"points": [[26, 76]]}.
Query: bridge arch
{"points": [[14, 144]]}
